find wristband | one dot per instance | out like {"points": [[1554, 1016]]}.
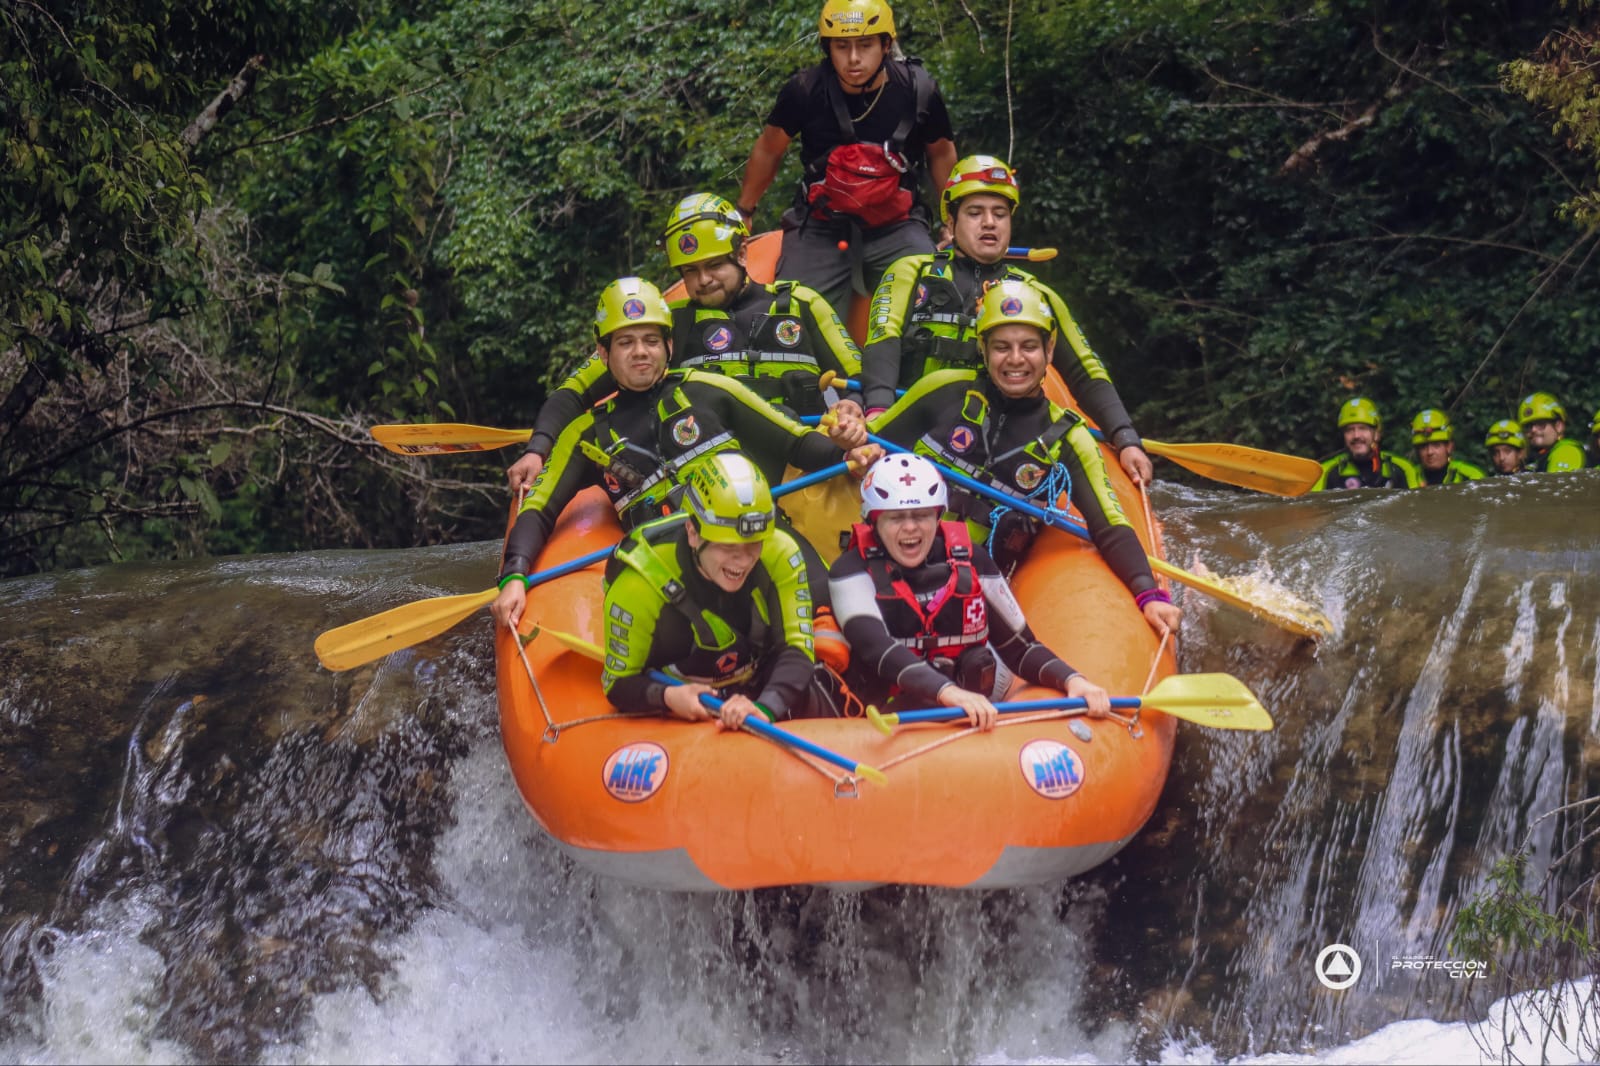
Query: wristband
{"points": [[770, 716], [749, 213], [512, 577], [1152, 596]]}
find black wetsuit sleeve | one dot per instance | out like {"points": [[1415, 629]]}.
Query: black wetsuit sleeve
{"points": [[580, 391], [563, 476], [1010, 634], [1102, 512]]}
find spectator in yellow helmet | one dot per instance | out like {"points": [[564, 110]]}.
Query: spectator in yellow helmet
{"points": [[924, 315], [1434, 438], [1362, 465], [1507, 447], [870, 126], [1544, 423]]}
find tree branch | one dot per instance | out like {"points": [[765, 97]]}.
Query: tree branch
{"points": [[237, 88]]}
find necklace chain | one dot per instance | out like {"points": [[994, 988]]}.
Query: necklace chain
{"points": [[876, 97]]}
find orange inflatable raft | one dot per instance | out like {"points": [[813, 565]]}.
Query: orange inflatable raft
{"points": [[684, 806]]}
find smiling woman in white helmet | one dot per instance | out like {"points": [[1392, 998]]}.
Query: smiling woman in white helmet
{"points": [[926, 611]]}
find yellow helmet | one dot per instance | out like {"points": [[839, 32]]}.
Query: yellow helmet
{"points": [[629, 302], [1360, 411], [1014, 302], [702, 226], [1505, 431], [1431, 426], [978, 173], [1541, 407], [855, 18], [1594, 427], [728, 499]]}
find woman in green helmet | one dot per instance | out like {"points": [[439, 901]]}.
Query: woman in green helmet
{"points": [[719, 601]]}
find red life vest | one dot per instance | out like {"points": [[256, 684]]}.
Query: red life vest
{"points": [[954, 619]]}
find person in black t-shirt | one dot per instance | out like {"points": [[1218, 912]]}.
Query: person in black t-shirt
{"points": [[870, 127]]}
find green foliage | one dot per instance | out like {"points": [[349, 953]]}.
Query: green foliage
{"points": [[1560, 78], [1263, 207], [1506, 917]]}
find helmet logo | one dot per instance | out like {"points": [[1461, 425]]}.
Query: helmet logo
{"points": [[686, 430], [687, 244], [1010, 306], [633, 309], [1028, 476], [961, 438], [788, 333], [719, 339]]}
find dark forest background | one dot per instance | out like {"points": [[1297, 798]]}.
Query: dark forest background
{"points": [[236, 234]]}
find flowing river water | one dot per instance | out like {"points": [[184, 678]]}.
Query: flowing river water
{"points": [[211, 848]]}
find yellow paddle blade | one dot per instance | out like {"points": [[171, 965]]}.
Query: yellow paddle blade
{"points": [[1249, 468], [1221, 701], [1288, 612], [576, 643], [441, 438], [399, 627], [1041, 255]]}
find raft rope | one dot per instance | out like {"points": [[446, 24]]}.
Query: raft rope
{"points": [[1055, 485]]}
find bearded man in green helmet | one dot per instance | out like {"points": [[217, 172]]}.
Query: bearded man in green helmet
{"points": [[1544, 423], [924, 314], [777, 339], [1362, 465]]}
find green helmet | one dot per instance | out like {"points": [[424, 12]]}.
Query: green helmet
{"points": [[728, 498], [1014, 302], [1505, 431], [1360, 411], [978, 173], [629, 302], [855, 18], [703, 226], [1594, 427], [1541, 407], [1431, 426]]}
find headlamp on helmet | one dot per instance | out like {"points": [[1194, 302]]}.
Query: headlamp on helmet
{"points": [[729, 499], [1431, 427], [1506, 431], [974, 174]]}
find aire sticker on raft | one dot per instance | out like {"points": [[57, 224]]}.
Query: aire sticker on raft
{"points": [[635, 771], [1051, 768]]}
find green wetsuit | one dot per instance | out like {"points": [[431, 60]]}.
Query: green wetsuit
{"points": [[777, 339], [1562, 456], [661, 613], [1455, 472], [1384, 470]]}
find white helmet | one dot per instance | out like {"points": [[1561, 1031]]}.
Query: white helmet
{"points": [[902, 482]]}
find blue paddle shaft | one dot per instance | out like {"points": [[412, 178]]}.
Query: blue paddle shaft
{"points": [[1016, 503], [598, 555], [756, 724], [1059, 703]]}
